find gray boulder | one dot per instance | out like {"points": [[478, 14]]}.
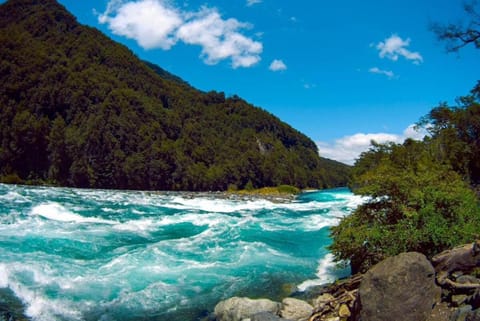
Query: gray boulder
{"points": [[238, 309], [294, 309], [399, 288]]}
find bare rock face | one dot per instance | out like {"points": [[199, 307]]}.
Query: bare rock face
{"points": [[238, 309], [399, 288]]}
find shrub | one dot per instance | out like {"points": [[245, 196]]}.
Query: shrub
{"points": [[287, 189], [415, 205]]}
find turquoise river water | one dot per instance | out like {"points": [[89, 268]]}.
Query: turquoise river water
{"points": [[79, 254]]}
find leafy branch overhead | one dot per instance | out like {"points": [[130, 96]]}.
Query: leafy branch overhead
{"points": [[460, 35]]}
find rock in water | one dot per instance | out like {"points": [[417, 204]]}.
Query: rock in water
{"points": [[237, 309], [296, 310], [399, 288]]}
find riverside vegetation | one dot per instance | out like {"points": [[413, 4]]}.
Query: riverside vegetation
{"points": [[423, 195], [78, 109]]}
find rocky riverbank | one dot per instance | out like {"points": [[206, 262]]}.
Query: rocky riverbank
{"points": [[405, 287]]}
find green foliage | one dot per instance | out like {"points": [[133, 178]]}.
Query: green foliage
{"points": [[279, 191], [455, 132], [249, 186], [78, 109], [287, 189], [420, 197]]}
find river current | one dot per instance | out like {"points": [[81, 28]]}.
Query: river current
{"points": [[79, 254]]}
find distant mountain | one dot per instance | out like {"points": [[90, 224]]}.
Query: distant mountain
{"points": [[78, 109]]}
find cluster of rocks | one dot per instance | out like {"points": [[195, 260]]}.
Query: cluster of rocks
{"points": [[242, 309], [405, 287]]}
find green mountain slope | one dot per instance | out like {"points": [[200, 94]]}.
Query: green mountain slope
{"points": [[78, 109]]}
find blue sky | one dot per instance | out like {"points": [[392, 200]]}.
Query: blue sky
{"points": [[342, 72]]}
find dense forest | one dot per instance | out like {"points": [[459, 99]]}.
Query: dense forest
{"points": [[78, 109]]}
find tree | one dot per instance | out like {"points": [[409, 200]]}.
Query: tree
{"points": [[454, 132], [415, 204], [460, 35], [57, 152]]}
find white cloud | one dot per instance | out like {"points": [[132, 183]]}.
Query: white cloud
{"points": [[277, 65], [395, 47], [151, 23], [156, 24], [349, 148], [388, 73], [220, 39], [252, 2]]}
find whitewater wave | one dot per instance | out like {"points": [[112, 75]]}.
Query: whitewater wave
{"points": [[38, 306], [56, 212], [327, 272], [13, 196], [218, 205]]}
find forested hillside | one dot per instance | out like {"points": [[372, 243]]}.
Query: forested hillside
{"points": [[78, 109]]}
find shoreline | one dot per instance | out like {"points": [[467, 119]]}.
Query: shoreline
{"points": [[240, 195]]}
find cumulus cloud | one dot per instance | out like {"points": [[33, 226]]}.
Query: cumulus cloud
{"points": [[149, 22], [349, 148], [156, 24], [395, 47], [277, 65], [252, 2], [388, 73], [220, 39]]}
